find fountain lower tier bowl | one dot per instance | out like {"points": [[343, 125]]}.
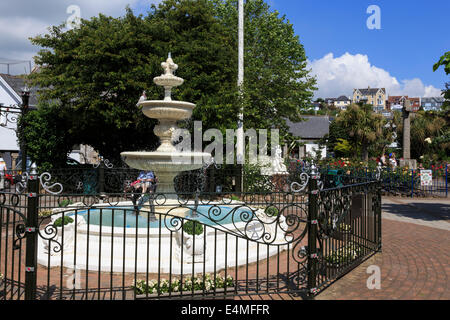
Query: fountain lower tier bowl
{"points": [[170, 110], [166, 161]]}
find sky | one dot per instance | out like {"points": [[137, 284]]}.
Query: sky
{"points": [[343, 52]]}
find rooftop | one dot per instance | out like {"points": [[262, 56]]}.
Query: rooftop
{"points": [[314, 127], [370, 91], [17, 83]]}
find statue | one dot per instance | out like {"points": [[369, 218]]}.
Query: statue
{"points": [[273, 165]]}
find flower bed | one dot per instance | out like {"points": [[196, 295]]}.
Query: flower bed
{"points": [[197, 284], [344, 255]]}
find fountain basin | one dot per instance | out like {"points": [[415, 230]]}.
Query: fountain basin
{"points": [[168, 110], [160, 247]]}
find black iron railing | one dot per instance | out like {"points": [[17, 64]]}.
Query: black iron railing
{"points": [[290, 236]]}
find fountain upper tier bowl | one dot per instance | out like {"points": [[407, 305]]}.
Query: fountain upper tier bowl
{"points": [[166, 161], [170, 110]]}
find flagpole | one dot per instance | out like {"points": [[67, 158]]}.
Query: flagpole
{"points": [[240, 127]]}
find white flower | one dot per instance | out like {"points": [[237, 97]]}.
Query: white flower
{"points": [[428, 140]]}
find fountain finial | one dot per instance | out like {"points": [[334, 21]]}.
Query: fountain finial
{"points": [[167, 79], [169, 66]]}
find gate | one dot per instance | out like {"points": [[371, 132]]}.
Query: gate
{"points": [[294, 237]]}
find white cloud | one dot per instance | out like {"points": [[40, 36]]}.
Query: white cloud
{"points": [[340, 75], [28, 18]]}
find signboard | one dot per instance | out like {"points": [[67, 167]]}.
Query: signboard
{"points": [[426, 178]]}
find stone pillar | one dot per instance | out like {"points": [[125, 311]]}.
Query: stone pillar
{"points": [[14, 157], [406, 130], [407, 161]]}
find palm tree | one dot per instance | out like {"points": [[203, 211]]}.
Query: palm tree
{"points": [[364, 126]]}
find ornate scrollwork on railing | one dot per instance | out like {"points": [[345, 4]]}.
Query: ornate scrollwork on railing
{"points": [[45, 179], [50, 233], [334, 207], [271, 225], [20, 234], [300, 186]]}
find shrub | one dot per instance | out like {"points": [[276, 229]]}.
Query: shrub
{"points": [[45, 213], [65, 203], [58, 222], [188, 227]]}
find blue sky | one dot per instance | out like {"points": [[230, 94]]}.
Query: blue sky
{"points": [[413, 34]]}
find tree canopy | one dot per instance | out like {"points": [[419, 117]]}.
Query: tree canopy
{"points": [[91, 77], [358, 129]]}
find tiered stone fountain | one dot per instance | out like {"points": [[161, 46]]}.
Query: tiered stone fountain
{"points": [[166, 162]]}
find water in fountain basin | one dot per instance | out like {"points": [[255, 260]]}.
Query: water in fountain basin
{"points": [[203, 212]]}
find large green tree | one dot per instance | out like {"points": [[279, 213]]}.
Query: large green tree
{"points": [[94, 75]]}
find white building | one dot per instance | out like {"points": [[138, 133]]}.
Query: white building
{"points": [[10, 96]]}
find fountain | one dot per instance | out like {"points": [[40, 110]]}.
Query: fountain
{"points": [[166, 162]]}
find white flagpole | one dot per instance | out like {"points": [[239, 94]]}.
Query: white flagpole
{"points": [[240, 129]]}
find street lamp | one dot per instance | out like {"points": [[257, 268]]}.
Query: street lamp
{"points": [[24, 109]]}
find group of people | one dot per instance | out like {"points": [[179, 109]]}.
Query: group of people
{"points": [[146, 181], [385, 161]]}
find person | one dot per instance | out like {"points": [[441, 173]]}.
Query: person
{"points": [[2, 173], [145, 180], [392, 160], [383, 159]]}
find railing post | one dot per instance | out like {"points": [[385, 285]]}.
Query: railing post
{"points": [[239, 178], [313, 209], [378, 215], [101, 177], [446, 180], [31, 236]]}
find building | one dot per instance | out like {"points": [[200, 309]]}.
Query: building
{"points": [[342, 102], [10, 96], [373, 96], [432, 103], [330, 101], [396, 103], [415, 104], [309, 132]]}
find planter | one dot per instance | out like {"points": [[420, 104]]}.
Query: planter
{"points": [[190, 253], [188, 294]]}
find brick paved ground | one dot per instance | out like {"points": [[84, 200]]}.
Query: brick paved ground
{"points": [[415, 262]]}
